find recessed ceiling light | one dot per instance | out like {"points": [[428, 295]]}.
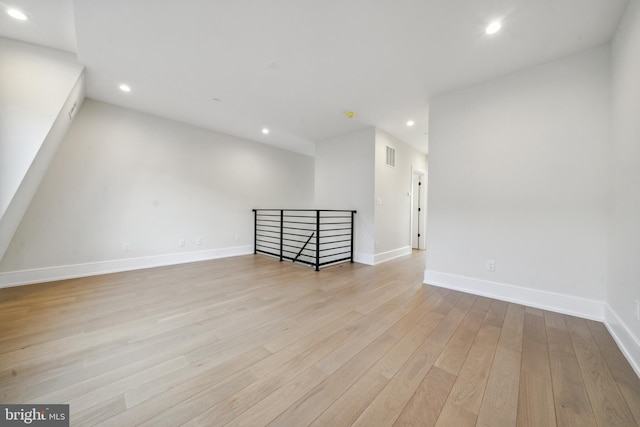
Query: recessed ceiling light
{"points": [[125, 88], [410, 123], [265, 131], [493, 27], [15, 13]]}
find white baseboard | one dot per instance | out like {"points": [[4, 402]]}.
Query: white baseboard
{"points": [[389, 255], [628, 343], [361, 258], [49, 274], [566, 304]]}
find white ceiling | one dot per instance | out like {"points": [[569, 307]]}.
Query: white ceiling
{"points": [[298, 66]]}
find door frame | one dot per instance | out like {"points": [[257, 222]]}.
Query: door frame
{"points": [[421, 175]]}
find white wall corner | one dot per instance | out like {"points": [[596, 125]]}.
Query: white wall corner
{"points": [[621, 333], [560, 303], [392, 254], [50, 274], [363, 258]]}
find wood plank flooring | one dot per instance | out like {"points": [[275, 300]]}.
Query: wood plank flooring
{"points": [[250, 341]]}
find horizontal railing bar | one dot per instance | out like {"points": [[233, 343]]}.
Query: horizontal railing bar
{"points": [[296, 228], [306, 210], [266, 243], [289, 224], [337, 242], [297, 234], [334, 261], [340, 254], [300, 260], [326, 251], [262, 227], [334, 248], [334, 252], [290, 243], [297, 248], [269, 247], [265, 252], [265, 236], [263, 230], [294, 238], [271, 242], [295, 253]]}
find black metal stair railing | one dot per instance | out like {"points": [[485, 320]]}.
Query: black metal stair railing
{"points": [[316, 237]]}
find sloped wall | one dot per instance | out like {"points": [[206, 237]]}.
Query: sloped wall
{"points": [[126, 188], [38, 88]]}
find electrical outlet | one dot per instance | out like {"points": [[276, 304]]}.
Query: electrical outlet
{"points": [[199, 241], [126, 247], [491, 265], [637, 310], [181, 243], [236, 238]]}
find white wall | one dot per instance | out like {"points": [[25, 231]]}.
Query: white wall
{"points": [[393, 191], [345, 179], [123, 177], [624, 220], [518, 175], [38, 86]]}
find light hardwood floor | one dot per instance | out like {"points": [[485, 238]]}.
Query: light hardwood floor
{"points": [[250, 341]]}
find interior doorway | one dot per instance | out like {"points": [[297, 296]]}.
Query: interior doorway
{"points": [[418, 209]]}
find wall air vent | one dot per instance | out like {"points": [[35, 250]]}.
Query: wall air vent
{"points": [[391, 157]]}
